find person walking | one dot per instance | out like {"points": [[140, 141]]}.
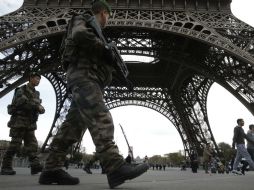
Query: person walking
{"points": [[238, 141], [250, 145], [24, 110], [88, 61], [87, 166], [207, 155], [194, 161]]}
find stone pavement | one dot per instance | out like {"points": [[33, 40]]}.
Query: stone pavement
{"points": [[171, 179]]}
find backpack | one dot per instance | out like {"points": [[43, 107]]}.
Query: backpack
{"points": [[68, 48]]}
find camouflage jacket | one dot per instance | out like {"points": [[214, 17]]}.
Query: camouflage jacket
{"points": [[24, 109], [89, 61]]}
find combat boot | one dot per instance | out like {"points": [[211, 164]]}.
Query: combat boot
{"points": [[35, 169], [59, 177], [87, 169], [126, 172], [7, 163], [8, 171]]}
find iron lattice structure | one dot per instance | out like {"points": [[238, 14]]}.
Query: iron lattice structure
{"points": [[193, 43]]}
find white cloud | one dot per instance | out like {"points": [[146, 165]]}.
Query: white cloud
{"points": [[243, 10], [9, 6]]}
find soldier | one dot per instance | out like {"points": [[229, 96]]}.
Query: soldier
{"points": [[89, 70], [207, 155], [24, 110]]}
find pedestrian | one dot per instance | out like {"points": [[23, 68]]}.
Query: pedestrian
{"points": [[250, 145], [24, 110], [194, 161], [238, 141], [128, 159], [146, 160], [67, 163], [90, 163], [89, 70], [207, 155]]}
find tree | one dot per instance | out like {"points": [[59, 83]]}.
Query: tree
{"points": [[226, 151], [176, 158], [156, 159], [87, 157], [77, 157]]}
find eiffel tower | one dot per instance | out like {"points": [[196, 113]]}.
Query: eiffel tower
{"points": [[191, 43]]}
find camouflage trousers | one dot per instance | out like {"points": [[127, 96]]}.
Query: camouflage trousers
{"points": [[30, 146], [87, 111]]}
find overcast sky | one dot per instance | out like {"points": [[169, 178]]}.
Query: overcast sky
{"points": [[148, 132]]}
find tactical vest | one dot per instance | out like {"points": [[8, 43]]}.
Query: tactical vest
{"points": [[23, 109], [28, 98], [69, 48]]}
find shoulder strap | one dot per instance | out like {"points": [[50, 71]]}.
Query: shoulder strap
{"points": [[67, 33]]}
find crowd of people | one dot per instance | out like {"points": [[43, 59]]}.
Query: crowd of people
{"points": [[241, 157]]}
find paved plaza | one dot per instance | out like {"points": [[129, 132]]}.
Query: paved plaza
{"points": [[171, 179]]}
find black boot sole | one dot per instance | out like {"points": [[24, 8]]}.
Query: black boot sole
{"points": [[121, 179], [50, 182]]}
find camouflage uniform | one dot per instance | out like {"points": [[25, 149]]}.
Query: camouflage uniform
{"points": [[87, 74], [24, 112]]}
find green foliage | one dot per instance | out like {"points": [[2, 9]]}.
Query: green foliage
{"points": [[172, 159], [76, 158], [176, 158], [155, 159], [87, 157], [226, 151]]}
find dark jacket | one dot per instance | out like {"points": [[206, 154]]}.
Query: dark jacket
{"points": [[239, 136]]}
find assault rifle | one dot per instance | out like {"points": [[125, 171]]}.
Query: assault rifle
{"points": [[118, 63]]}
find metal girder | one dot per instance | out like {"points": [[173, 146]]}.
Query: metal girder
{"points": [[157, 99], [194, 43], [214, 5], [58, 82], [179, 22]]}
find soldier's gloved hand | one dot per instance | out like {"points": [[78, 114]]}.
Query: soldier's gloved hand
{"points": [[41, 109]]}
